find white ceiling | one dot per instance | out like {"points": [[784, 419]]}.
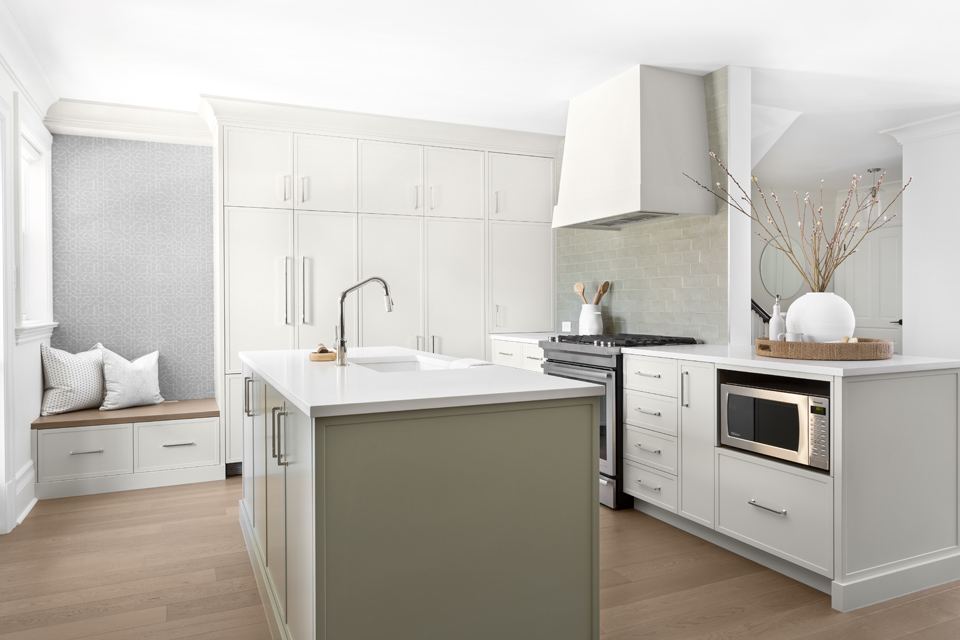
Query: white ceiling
{"points": [[851, 68]]}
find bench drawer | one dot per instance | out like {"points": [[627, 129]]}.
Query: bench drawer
{"points": [[657, 413], [177, 444], [84, 452], [651, 449], [508, 354], [653, 375], [652, 486], [532, 357]]}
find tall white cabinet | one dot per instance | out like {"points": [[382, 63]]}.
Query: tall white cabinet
{"points": [[455, 218]]}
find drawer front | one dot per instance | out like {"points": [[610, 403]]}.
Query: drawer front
{"points": [[651, 449], [84, 452], [177, 444], [649, 411], [753, 498], [647, 484], [653, 375], [508, 354], [532, 357]]}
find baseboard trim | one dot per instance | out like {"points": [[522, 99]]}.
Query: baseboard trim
{"points": [[267, 596], [25, 496], [895, 583], [128, 482]]}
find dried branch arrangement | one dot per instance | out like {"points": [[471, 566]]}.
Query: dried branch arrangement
{"points": [[821, 252]]}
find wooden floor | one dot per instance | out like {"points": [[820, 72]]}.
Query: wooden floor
{"points": [[171, 563], [136, 565]]}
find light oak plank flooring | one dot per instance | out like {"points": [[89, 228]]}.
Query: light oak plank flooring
{"points": [[659, 582], [154, 564]]}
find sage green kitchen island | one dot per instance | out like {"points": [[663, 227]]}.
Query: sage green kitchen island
{"points": [[398, 498]]}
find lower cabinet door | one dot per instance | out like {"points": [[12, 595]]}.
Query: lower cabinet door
{"points": [[650, 448], [784, 511], [649, 485], [532, 358], [261, 454], [276, 503], [84, 452], [298, 454], [176, 444], [508, 354]]}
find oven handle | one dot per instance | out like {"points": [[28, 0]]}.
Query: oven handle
{"points": [[576, 372]]}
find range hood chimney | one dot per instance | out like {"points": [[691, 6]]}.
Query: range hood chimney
{"points": [[628, 144]]}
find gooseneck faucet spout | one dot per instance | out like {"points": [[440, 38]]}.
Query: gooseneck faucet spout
{"points": [[341, 338]]}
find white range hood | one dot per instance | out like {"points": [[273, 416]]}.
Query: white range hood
{"points": [[628, 144]]}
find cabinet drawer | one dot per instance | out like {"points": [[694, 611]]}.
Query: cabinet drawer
{"points": [[177, 444], [652, 486], [653, 375], [784, 512], [532, 357], [650, 412], [651, 448], [509, 354], [84, 452]]}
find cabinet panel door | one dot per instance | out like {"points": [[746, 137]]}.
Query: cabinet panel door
{"points": [[521, 277], [521, 188], [454, 269], [301, 568], [258, 168], [249, 457], [260, 275], [276, 500], [698, 437], [390, 178], [234, 419], [261, 453], [454, 183], [390, 247], [326, 173], [327, 254]]}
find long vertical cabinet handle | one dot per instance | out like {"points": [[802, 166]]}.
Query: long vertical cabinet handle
{"points": [[281, 434], [419, 348], [273, 429], [303, 189], [246, 397], [286, 290], [303, 289], [684, 392], [416, 196], [496, 205], [433, 197], [433, 344], [496, 315]]}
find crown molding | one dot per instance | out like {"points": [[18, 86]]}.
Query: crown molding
{"points": [[21, 64], [126, 122], [925, 129]]}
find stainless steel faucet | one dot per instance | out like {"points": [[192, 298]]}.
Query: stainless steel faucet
{"points": [[341, 338]]}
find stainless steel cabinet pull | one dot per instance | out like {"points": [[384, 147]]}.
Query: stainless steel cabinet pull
{"points": [[416, 196], [647, 375], [532, 358], [433, 344], [285, 187], [760, 506], [286, 290], [80, 453], [303, 290], [179, 444], [433, 197], [280, 435], [684, 402], [649, 413], [273, 429], [246, 397], [496, 319], [651, 487], [648, 450], [419, 348], [303, 189], [505, 354], [496, 205]]}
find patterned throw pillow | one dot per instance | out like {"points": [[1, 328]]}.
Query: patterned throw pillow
{"points": [[131, 384], [71, 381]]}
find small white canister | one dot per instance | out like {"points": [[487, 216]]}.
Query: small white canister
{"points": [[591, 323]]}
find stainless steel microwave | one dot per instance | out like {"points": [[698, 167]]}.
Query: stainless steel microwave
{"points": [[779, 424]]}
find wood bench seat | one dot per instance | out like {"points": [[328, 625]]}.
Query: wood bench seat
{"points": [[170, 410]]}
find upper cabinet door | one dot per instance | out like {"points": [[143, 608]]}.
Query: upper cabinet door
{"points": [[454, 183], [391, 248], [521, 277], [390, 178], [326, 173], [454, 270], [258, 168], [521, 188]]}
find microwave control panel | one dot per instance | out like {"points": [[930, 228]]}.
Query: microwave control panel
{"points": [[819, 436]]}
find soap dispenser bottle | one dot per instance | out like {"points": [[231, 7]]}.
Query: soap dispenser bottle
{"points": [[777, 325]]}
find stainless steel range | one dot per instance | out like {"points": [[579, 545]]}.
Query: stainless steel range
{"points": [[598, 359]]}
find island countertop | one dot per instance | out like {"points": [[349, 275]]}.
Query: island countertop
{"points": [[321, 389]]}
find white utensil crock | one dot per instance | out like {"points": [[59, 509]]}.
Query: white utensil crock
{"points": [[591, 323]]}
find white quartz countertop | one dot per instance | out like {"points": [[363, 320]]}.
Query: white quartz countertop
{"points": [[528, 338], [746, 357], [322, 389]]}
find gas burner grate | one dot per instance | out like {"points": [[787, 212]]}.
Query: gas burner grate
{"points": [[626, 340]]}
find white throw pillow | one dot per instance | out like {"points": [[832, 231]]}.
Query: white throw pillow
{"points": [[131, 384], [71, 381]]}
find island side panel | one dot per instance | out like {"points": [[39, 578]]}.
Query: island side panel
{"points": [[476, 522], [900, 471]]}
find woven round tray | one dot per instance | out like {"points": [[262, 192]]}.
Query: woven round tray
{"points": [[863, 349]]}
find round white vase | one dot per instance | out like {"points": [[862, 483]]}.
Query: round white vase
{"points": [[591, 323], [821, 317]]}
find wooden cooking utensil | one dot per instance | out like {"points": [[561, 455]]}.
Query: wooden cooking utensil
{"points": [[578, 289], [598, 294]]}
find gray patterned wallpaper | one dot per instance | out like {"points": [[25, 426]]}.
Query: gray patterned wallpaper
{"points": [[133, 255]]}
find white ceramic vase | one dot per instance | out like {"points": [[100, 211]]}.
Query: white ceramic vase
{"points": [[591, 323], [821, 317]]}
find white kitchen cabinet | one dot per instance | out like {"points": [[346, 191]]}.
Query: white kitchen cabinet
{"points": [[698, 438], [326, 173], [255, 426], [521, 277], [650, 375], [391, 178], [258, 168], [532, 358], [454, 287], [327, 265], [650, 411], [298, 453], [233, 416], [652, 486], [391, 248], [454, 183], [508, 354], [651, 448], [260, 278], [521, 188], [276, 481]]}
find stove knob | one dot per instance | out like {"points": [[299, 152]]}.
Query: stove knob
{"points": [[597, 343], [552, 339], [610, 344]]}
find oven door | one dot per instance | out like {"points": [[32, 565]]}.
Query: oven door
{"points": [[772, 423], [608, 407]]}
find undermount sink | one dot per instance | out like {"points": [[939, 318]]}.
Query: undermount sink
{"points": [[401, 363]]}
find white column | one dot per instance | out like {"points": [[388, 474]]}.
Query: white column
{"points": [[738, 225]]}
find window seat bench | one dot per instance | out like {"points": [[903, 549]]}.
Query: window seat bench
{"points": [[93, 451]]}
